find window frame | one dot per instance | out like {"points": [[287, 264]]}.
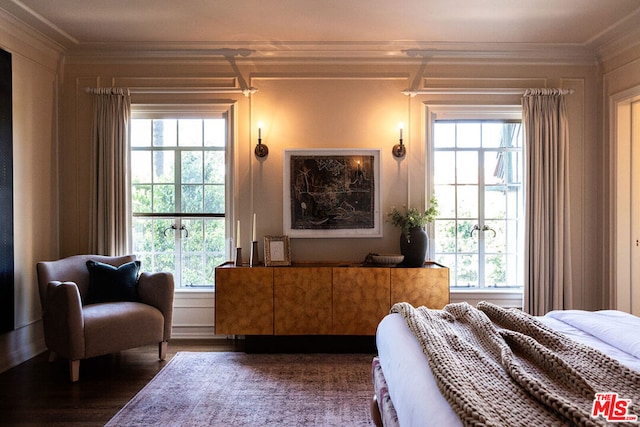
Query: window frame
{"points": [[511, 297], [189, 110]]}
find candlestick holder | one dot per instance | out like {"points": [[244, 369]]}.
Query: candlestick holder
{"points": [[255, 259], [238, 257]]}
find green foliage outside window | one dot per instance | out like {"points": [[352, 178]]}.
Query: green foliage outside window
{"points": [[178, 197]]}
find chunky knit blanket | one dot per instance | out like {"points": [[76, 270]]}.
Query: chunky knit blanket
{"points": [[505, 368]]}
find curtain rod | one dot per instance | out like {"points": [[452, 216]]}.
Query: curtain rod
{"points": [[178, 90], [476, 91]]}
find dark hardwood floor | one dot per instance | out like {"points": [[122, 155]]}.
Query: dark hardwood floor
{"points": [[38, 393]]}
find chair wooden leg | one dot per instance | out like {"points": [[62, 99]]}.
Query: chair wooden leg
{"points": [[74, 370], [162, 350]]}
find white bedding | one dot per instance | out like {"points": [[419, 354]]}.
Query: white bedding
{"points": [[412, 387]]}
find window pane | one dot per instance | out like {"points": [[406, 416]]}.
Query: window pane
{"points": [[492, 135], [165, 261], [140, 133], [446, 196], [494, 203], [468, 135], [444, 134], [192, 199], [515, 202], [495, 167], [214, 198], [194, 241], [495, 271], [154, 243], [165, 133], [513, 135], [445, 241], [467, 239], [467, 271], [466, 167], [191, 167], [164, 199], [495, 242], [141, 198], [514, 168], [445, 173], [214, 238], [192, 269], [467, 201], [190, 133], [164, 166], [214, 167], [141, 167], [142, 235], [215, 132]]}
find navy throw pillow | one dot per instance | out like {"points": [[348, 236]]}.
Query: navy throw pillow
{"points": [[108, 283]]}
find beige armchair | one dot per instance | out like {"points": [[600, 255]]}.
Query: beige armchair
{"points": [[80, 322]]}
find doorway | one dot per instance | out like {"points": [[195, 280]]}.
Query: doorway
{"points": [[625, 130]]}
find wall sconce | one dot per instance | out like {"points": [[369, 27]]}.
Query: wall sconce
{"points": [[261, 149], [399, 150]]}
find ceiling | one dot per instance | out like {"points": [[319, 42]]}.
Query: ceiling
{"points": [[269, 25]]}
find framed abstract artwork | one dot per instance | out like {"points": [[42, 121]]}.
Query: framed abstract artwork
{"points": [[332, 193]]}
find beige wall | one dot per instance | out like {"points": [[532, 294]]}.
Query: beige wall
{"points": [[345, 104], [34, 69]]}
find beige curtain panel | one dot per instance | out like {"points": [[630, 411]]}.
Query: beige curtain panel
{"points": [[110, 220], [547, 233]]}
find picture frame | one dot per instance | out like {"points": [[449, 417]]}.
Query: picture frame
{"points": [[277, 251], [332, 193]]}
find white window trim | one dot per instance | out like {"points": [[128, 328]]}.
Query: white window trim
{"points": [[503, 297], [199, 110]]}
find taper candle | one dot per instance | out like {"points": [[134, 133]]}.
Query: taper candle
{"points": [[238, 236], [253, 234]]}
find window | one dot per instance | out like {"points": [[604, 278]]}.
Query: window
{"points": [[477, 166], [178, 174]]}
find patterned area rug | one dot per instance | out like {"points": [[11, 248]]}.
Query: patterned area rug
{"points": [[239, 389]]}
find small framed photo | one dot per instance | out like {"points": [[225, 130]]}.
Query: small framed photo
{"points": [[277, 251]]}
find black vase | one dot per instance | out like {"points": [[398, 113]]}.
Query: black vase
{"points": [[414, 249]]}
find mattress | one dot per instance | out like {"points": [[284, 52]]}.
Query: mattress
{"points": [[412, 388]]}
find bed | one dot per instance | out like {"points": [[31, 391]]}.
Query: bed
{"points": [[407, 392]]}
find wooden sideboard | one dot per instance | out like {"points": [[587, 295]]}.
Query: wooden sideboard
{"points": [[320, 299]]}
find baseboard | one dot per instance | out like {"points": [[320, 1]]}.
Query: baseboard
{"points": [[20, 345], [194, 332]]}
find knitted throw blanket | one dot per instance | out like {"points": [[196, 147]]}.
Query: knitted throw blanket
{"points": [[503, 367]]}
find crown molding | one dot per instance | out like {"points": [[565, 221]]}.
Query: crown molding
{"points": [[400, 51], [615, 40], [38, 23], [611, 40], [19, 37]]}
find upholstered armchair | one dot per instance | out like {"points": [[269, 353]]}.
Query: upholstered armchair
{"points": [[94, 305]]}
